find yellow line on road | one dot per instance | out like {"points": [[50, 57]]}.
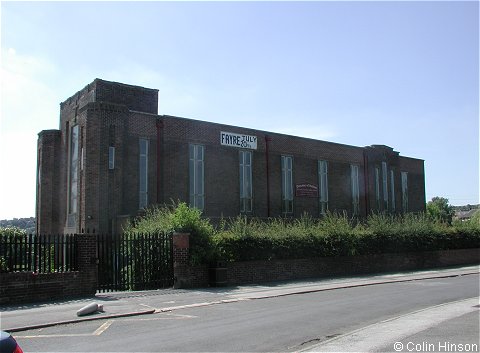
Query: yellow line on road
{"points": [[56, 336], [97, 332], [102, 328], [163, 317]]}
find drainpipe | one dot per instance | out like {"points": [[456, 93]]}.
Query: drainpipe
{"points": [[159, 151], [267, 140], [366, 179]]}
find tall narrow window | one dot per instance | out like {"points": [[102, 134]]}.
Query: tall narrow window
{"points": [[355, 189], [196, 171], [323, 183], [111, 157], [287, 184], [392, 189], [405, 191], [143, 173], [82, 158], [73, 170], [377, 188], [385, 185], [245, 181]]}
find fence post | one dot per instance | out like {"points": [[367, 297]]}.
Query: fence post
{"points": [[181, 247], [88, 263]]}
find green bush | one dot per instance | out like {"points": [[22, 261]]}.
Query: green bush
{"points": [[243, 238], [9, 234], [178, 217], [12, 231]]}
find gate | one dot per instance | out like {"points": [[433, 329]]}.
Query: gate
{"points": [[135, 261]]}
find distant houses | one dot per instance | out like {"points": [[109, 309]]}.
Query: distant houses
{"points": [[465, 215]]}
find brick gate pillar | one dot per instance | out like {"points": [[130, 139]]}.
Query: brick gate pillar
{"points": [[181, 247], [87, 263]]}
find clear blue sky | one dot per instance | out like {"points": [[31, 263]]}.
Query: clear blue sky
{"points": [[404, 74]]}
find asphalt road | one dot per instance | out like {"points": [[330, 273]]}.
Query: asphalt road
{"points": [[280, 324]]}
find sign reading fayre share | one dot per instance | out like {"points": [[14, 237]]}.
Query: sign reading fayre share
{"points": [[238, 140]]}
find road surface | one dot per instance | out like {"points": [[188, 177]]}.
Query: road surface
{"points": [[333, 320]]}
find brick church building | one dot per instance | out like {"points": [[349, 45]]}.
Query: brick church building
{"points": [[113, 155]]}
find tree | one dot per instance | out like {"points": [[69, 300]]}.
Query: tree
{"points": [[439, 209]]}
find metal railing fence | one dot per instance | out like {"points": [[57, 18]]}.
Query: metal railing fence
{"points": [[38, 253], [135, 261]]}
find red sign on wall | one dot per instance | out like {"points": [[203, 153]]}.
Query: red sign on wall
{"points": [[306, 190]]}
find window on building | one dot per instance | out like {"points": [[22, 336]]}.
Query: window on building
{"points": [[246, 181], [392, 190], [111, 157], [143, 173], [377, 188], [81, 143], [323, 183], [196, 174], [385, 185], [82, 158], [39, 169], [355, 189], [405, 191], [73, 192], [287, 184]]}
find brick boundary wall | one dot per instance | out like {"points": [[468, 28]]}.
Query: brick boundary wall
{"points": [[251, 272], [23, 287], [28, 287]]}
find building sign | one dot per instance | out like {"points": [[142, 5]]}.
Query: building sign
{"points": [[238, 140], [306, 190]]}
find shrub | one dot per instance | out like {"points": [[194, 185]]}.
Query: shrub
{"points": [[181, 218], [244, 239], [7, 235], [440, 210], [12, 231], [189, 219]]}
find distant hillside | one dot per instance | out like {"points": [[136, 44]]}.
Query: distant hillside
{"points": [[23, 223]]}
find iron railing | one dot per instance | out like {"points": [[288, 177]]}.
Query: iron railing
{"points": [[135, 261], [38, 253]]}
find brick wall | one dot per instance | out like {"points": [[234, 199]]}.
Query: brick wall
{"points": [[24, 287], [252, 272], [279, 270]]}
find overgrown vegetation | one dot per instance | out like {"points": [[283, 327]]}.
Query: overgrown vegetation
{"points": [[180, 218], [8, 234], [440, 210], [242, 238], [12, 231], [336, 235]]}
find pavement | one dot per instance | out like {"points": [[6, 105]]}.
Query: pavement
{"points": [[448, 327], [16, 318]]}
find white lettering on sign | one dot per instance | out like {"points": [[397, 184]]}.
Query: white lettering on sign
{"points": [[238, 140]]}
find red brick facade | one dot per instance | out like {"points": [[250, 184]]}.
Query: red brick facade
{"points": [[116, 116]]}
